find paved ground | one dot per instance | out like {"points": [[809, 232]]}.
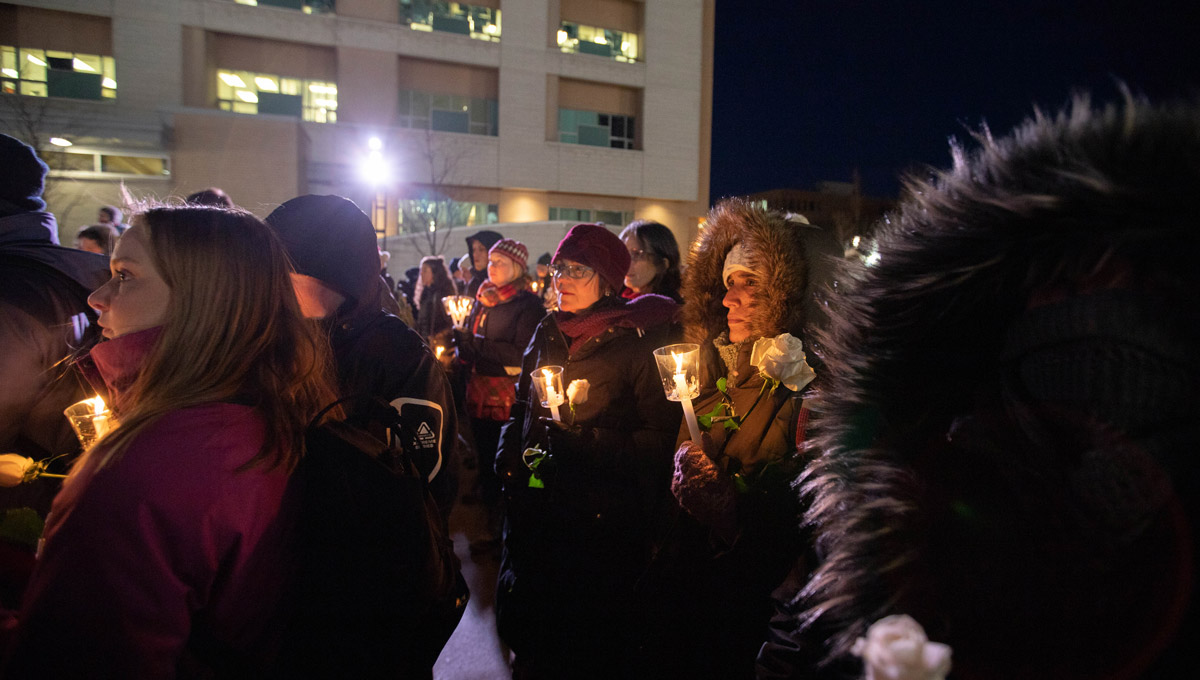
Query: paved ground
{"points": [[474, 652]]}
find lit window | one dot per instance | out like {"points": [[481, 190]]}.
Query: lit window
{"points": [[609, 217], [430, 211], [82, 164], [481, 23], [602, 42], [53, 73], [592, 128], [448, 113], [254, 93], [306, 6]]}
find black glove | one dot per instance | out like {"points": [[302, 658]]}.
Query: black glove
{"points": [[465, 342], [566, 441]]}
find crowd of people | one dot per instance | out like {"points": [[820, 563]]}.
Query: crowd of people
{"points": [[963, 454]]}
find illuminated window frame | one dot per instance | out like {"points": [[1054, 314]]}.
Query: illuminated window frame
{"points": [[480, 23], [82, 163], [472, 214], [622, 217], [620, 46], [29, 71], [575, 126], [244, 92], [306, 6], [416, 110]]}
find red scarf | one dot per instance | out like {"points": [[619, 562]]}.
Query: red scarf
{"points": [[490, 294], [642, 312]]}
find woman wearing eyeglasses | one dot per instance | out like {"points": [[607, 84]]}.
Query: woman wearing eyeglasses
{"points": [[578, 526], [654, 260]]}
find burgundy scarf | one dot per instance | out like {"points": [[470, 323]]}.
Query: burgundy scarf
{"points": [[641, 312]]}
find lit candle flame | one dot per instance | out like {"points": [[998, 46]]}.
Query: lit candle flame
{"points": [[97, 403], [678, 361], [438, 351]]}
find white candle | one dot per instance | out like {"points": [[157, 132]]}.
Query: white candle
{"points": [[99, 419], [553, 398], [685, 398]]}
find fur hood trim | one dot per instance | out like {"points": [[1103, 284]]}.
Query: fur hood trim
{"points": [[956, 267], [777, 251]]}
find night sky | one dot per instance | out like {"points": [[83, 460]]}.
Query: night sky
{"points": [[809, 91]]}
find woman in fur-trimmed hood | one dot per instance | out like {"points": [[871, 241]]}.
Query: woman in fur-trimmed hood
{"points": [[1010, 412], [731, 539]]}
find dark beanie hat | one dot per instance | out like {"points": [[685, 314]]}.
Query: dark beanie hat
{"points": [[331, 240], [22, 175], [544, 258], [598, 248]]}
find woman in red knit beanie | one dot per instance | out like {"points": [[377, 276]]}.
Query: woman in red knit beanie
{"points": [[577, 532]]}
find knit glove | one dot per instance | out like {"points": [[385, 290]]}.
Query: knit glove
{"points": [[465, 342], [704, 490]]}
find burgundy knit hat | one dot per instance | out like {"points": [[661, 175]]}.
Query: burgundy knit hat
{"points": [[512, 249], [598, 248]]}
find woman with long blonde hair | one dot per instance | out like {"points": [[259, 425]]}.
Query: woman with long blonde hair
{"points": [[165, 551]]}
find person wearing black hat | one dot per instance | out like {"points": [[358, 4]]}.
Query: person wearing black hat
{"points": [[332, 245], [578, 532], [44, 319], [478, 245]]}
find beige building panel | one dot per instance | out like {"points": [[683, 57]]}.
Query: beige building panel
{"points": [[254, 158], [375, 10], [596, 170], [367, 87], [149, 61]]}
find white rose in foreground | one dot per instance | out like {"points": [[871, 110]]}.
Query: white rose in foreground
{"points": [[13, 468], [896, 649], [577, 391], [782, 358]]}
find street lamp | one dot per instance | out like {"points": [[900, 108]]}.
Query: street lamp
{"points": [[376, 172]]}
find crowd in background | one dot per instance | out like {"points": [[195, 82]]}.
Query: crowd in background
{"points": [[967, 453]]}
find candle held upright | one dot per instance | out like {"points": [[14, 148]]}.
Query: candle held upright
{"points": [[679, 368], [91, 419], [459, 308], [548, 382]]}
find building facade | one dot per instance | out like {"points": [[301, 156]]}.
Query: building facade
{"points": [[419, 111]]}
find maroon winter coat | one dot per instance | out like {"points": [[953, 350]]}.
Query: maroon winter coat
{"points": [[166, 560]]}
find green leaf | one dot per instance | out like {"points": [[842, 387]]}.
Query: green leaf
{"points": [[721, 383], [739, 484], [536, 482], [732, 425]]}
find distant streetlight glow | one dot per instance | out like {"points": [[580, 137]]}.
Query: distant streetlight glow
{"points": [[374, 168]]}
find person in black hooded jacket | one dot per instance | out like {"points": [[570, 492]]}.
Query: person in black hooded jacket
{"points": [[478, 246], [332, 244], [1009, 417], [44, 320]]}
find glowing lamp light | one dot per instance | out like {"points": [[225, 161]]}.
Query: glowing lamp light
{"points": [[562, 37], [81, 65], [855, 241], [247, 96], [35, 60], [109, 83], [375, 144], [60, 141], [266, 84], [10, 72], [231, 79], [322, 89]]}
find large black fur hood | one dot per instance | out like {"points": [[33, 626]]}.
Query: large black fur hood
{"points": [[1032, 544], [778, 253]]}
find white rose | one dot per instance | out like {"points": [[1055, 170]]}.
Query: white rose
{"points": [[13, 468], [896, 648], [577, 391], [782, 358]]}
